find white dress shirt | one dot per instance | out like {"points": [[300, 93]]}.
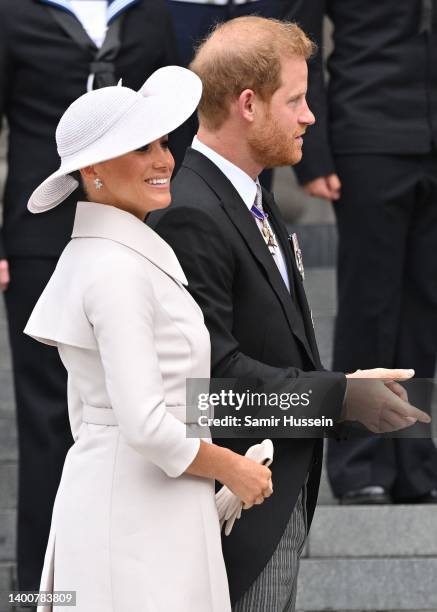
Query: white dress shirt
{"points": [[246, 188], [92, 15]]}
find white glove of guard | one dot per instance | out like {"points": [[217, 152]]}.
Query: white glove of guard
{"points": [[229, 506]]}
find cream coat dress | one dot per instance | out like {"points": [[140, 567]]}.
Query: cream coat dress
{"points": [[130, 532]]}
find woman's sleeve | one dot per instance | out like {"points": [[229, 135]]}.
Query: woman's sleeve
{"points": [[120, 306]]}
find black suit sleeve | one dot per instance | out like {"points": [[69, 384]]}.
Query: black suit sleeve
{"points": [[208, 262], [317, 158]]}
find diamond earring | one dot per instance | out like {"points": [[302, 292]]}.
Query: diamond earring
{"points": [[98, 183]]}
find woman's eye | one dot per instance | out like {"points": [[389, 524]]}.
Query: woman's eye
{"points": [[142, 149], [165, 144]]}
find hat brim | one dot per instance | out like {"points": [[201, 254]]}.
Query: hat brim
{"points": [[171, 97]]}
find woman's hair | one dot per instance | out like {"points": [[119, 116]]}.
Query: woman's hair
{"points": [[77, 175], [244, 53]]}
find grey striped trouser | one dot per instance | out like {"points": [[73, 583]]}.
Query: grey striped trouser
{"points": [[275, 588]]}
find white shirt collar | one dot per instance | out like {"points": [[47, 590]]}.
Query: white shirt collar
{"points": [[92, 15], [243, 183]]}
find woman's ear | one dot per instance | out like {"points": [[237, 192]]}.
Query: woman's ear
{"points": [[88, 172]]}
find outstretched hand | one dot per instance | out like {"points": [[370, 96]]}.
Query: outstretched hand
{"points": [[375, 399]]}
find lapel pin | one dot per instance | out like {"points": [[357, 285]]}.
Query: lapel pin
{"points": [[298, 255]]}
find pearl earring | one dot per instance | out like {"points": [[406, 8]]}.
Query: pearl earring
{"points": [[98, 183]]}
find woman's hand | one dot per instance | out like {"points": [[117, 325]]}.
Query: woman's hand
{"points": [[248, 480]]}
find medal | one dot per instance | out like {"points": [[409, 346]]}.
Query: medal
{"points": [[267, 233], [298, 255], [269, 237]]}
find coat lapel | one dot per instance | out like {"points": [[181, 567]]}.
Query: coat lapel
{"points": [[242, 219], [305, 323], [94, 220]]}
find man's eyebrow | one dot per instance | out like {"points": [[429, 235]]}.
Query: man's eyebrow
{"points": [[298, 94]]}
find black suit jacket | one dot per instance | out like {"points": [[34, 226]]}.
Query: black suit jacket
{"points": [[258, 332], [382, 92], [42, 71]]}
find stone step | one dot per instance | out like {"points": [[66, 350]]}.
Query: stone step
{"points": [[8, 485], [7, 572], [326, 497], [318, 243], [7, 535], [373, 531], [368, 584], [320, 288], [8, 440]]}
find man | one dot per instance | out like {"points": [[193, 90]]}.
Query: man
{"points": [[50, 52], [242, 271], [377, 134]]}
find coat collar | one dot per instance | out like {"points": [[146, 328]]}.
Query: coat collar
{"points": [[115, 7], [94, 220], [243, 221]]}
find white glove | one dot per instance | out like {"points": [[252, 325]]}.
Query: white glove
{"points": [[229, 506]]}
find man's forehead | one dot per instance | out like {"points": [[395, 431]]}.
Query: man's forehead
{"points": [[294, 74], [294, 66]]}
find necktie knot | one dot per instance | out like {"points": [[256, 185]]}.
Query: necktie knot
{"points": [[259, 196]]}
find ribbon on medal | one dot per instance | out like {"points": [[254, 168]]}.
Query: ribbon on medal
{"points": [[267, 233]]}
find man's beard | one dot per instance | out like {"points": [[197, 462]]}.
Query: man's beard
{"points": [[270, 146]]}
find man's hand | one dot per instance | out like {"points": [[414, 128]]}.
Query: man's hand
{"points": [[326, 187], [4, 274], [375, 399]]}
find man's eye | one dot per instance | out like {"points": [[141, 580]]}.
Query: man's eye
{"points": [[165, 144]]}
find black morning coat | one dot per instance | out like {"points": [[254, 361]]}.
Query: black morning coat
{"points": [[42, 71], [258, 332], [382, 93]]}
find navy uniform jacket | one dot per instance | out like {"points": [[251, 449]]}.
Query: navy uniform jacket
{"points": [[42, 71], [382, 93]]}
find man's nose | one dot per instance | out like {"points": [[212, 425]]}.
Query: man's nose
{"points": [[307, 117]]}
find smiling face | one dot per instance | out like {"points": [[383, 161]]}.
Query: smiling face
{"points": [[137, 182], [275, 138]]}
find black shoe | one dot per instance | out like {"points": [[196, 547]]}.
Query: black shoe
{"points": [[426, 498], [367, 495]]}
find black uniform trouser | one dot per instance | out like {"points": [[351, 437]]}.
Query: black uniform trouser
{"points": [[42, 419], [387, 305]]}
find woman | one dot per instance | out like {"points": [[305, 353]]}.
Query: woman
{"points": [[134, 524]]}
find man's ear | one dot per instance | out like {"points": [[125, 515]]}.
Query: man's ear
{"points": [[246, 104]]}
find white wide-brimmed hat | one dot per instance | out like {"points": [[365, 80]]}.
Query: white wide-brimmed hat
{"points": [[112, 121]]}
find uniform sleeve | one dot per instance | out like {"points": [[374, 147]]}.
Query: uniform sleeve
{"points": [[5, 68], [317, 158], [181, 138], [120, 304]]}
